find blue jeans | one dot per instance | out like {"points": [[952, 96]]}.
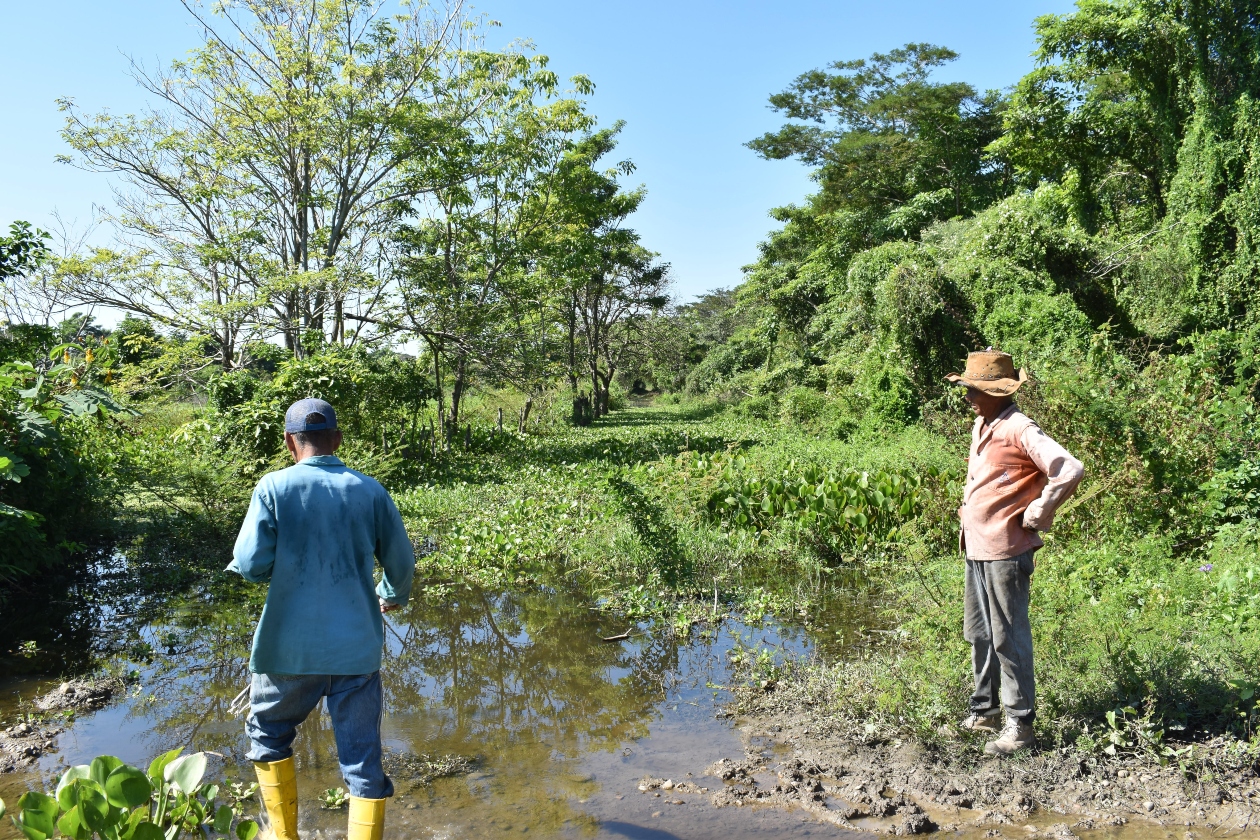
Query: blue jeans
{"points": [[277, 704]]}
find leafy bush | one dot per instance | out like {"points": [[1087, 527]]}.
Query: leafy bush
{"points": [[378, 399], [56, 450], [111, 800], [850, 508], [802, 405]]}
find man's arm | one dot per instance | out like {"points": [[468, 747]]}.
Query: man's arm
{"points": [[393, 550], [1063, 472], [255, 551]]}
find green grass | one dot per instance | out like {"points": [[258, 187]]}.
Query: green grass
{"points": [[619, 512], [618, 508]]}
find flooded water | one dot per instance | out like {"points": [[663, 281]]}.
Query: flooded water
{"points": [[560, 726]]}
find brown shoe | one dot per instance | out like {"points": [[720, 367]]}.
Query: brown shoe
{"points": [[1016, 736], [981, 723]]}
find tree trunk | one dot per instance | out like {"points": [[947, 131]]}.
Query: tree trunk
{"points": [[605, 388], [457, 389], [529, 404], [573, 375]]}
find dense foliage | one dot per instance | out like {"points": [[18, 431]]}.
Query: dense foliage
{"points": [[477, 307], [111, 800], [1097, 223]]}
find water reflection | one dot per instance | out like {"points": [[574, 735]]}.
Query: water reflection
{"points": [[560, 723]]}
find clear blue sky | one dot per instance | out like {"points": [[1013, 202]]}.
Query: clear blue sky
{"points": [[689, 77]]}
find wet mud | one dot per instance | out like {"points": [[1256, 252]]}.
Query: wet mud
{"points": [[508, 716], [34, 733], [796, 756]]}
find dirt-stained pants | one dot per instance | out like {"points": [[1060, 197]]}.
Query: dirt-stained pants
{"points": [[995, 621]]}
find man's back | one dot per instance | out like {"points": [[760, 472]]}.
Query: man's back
{"points": [[315, 530]]}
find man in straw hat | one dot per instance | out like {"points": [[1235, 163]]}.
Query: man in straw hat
{"points": [[315, 531], [1017, 477]]}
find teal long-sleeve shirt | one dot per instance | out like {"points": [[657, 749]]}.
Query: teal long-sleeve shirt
{"points": [[314, 531]]}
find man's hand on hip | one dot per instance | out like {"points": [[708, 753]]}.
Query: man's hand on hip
{"points": [[386, 606]]}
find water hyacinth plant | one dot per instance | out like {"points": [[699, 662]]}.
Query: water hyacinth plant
{"points": [[852, 508], [110, 800]]}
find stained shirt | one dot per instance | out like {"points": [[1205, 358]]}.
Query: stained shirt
{"points": [[315, 531], [1017, 477]]}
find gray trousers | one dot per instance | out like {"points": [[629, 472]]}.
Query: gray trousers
{"points": [[995, 621]]}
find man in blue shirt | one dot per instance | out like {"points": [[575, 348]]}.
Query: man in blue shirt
{"points": [[314, 531]]}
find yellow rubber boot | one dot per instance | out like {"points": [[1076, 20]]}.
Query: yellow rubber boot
{"points": [[367, 819], [278, 782]]}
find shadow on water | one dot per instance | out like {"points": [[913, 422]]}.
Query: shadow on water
{"points": [[654, 530], [559, 725]]}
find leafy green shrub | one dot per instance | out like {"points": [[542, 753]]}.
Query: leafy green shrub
{"points": [[852, 509], [378, 399], [723, 362], [761, 407], [111, 800], [802, 405], [56, 454]]}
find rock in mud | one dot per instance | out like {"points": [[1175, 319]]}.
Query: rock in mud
{"points": [[421, 768], [918, 823], [729, 771], [22, 745], [80, 695]]}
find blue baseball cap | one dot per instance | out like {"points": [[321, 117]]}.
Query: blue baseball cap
{"points": [[309, 415]]}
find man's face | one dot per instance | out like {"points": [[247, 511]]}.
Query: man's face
{"points": [[985, 405]]}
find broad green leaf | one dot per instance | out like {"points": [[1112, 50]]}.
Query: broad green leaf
{"points": [[223, 819], [65, 794], [128, 787], [39, 813], [186, 772], [246, 830], [147, 831], [157, 767], [71, 825], [29, 832], [92, 805], [137, 817], [102, 766]]}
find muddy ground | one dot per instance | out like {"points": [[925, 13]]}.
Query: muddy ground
{"points": [[23, 743], [798, 755]]}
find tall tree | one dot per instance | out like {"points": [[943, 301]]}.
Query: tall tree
{"points": [[616, 304], [467, 288], [586, 249], [266, 179], [21, 252], [880, 131]]}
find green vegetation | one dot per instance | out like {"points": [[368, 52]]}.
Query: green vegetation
{"points": [[110, 800], [1098, 222]]}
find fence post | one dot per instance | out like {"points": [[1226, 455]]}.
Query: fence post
{"points": [[500, 420]]}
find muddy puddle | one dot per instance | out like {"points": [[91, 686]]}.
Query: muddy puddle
{"points": [[555, 727], [553, 732]]}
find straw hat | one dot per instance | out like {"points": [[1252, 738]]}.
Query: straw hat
{"points": [[992, 372]]}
